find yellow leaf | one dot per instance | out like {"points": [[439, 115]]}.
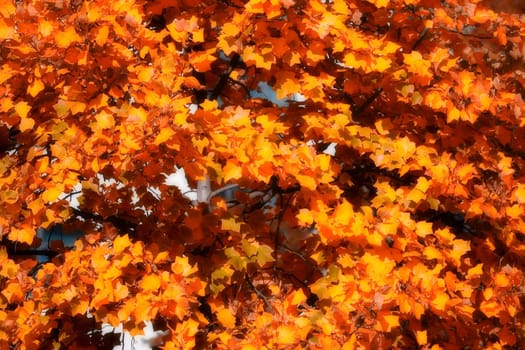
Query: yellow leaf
{"points": [[377, 268], [104, 121], [286, 335], [306, 181], [51, 194], [423, 228], [324, 162], [232, 170], [466, 80], [518, 195], [416, 64], [67, 38], [102, 35], [9, 196], [297, 297], [440, 301], [226, 318], [421, 337], [264, 255], [176, 32], [13, 292], [384, 126], [514, 212], [150, 283], [419, 192], [22, 235], [501, 280], [475, 271], [305, 217], [488, 293], [490, 308], [230, 225], [230, 29], [45, 27], [76, 107], [22, 109], [161, 257], [248, 347], [111, 273], [164, 135], [460, 247], [343, 213], [432, 253], [434, 99], [79, 306], [145, 74], [453, 114], [35, 88], [120, 243], [7, 31], [386, 322]]}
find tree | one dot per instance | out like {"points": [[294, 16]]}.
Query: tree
{"points": [[381, 205]]}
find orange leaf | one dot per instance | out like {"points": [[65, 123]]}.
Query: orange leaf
{"points": [[232, 171], [386, 321], [501, 35], [164, 135], [102, 35], [22, 235], [191, 83], [51, 194], [518, 195], [440, 301], [22, 109], [421, 337], [120, 243], [460, 247], [501, 280], [67, 38], [13, 292], [150, 283], [35, 88], [298, 297], [286, 335], [475, 271], [432, 253], [490, 308], [305, 217], [226, 318], [423, 228], [45, 27], [6, 31], [306, 181]]}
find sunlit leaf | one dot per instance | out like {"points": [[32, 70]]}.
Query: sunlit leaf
{"points": [[67, 37], [421, 337], [150, 283], [226, 318], [22, 235], [120, 243]]}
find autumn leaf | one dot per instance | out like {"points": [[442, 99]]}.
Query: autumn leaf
{"points": [[421, 337], [22, 235], [120, 243], [67, 37], [150, 283], [226, 318], [102, 36], [164, 135]]}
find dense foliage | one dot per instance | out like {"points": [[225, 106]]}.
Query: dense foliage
{"points": [[381, 200]]}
